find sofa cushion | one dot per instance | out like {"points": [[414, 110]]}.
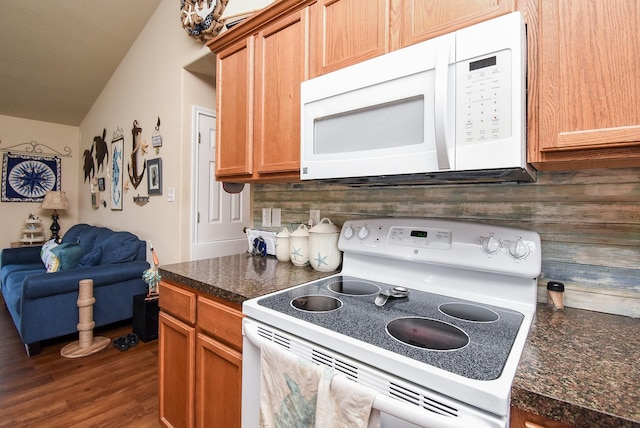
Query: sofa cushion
{"points": [[50, 260], [9, 269], [12, 286], [87, 236], [120, 247], [91, 258], [68, 254], [73, 234]]}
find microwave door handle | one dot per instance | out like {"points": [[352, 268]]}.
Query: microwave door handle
{"points": [[440, 107]]}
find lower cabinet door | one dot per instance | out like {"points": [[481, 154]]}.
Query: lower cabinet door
{"points": [[218, 384], [177, 372]]}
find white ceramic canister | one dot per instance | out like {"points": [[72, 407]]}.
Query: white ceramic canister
{"points": [[324, 254], [282, 245], [299, 246]]}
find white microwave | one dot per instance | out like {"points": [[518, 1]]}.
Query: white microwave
{"points": [[452, 108]]}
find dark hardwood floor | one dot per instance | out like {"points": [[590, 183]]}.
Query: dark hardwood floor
{"points": [[107, 389]]}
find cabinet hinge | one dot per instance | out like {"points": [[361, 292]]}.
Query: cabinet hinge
{"points": [[199, 138], [198, 220]]}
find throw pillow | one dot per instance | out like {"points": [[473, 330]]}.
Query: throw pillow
{"points": [[51, 262], [120, 247], [68, 254]]}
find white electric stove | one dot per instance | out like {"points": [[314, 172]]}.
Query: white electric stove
{"points": [[432, 314]]}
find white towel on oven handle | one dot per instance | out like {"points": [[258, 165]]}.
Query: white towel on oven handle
{"points": [[294, 392], [344, 403], [288, 388]]}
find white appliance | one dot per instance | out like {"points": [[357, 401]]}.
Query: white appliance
{"points": [[442, 351], [451, 108]]}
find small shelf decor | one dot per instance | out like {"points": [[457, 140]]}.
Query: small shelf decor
{"points": [[32, 233]]}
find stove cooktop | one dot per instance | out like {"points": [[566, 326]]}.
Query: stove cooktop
{"points": [[459, 336]]}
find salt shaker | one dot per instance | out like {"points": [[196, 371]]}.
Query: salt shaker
{"points": [[555, 290]]}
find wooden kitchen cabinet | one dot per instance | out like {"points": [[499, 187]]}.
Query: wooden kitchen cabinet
{"points": [[280, 67], [420, 20], [345, 32], [200, 359], [589, 85], [176, 350], [258, 99], [234, 139]]}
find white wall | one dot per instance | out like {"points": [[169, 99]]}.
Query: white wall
{"points": [[14, 131], [150, 83]]}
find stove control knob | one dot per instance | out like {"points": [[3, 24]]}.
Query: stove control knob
{"points": [[363, 233], [518, 249], [348, 232], [490, 245]]}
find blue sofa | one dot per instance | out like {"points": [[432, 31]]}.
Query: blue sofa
{"points": [[44, 305]]}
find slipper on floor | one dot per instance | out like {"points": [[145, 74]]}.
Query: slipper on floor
{"points": [[121, 343], [132, 340]]}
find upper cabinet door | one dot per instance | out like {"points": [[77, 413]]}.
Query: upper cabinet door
{"points": [[424, 19], [589, 85], [346, 32], [280, 67], [234, 82]]}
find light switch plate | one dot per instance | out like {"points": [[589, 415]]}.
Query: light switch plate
{"points": [[276, 217], [266, 217], [314, 216]]}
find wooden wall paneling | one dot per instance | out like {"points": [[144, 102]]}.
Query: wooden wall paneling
{"points": [[589, 221]]}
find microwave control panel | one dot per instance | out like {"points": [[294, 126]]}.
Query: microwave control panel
{"points": [[483, 102]]}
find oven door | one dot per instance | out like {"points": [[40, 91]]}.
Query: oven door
{"points": [[432, 412]]}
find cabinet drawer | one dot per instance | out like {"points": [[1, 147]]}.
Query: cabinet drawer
{"points": [[220, 321], [178, 302]]}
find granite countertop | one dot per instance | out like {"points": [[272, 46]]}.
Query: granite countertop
{"points": [[578, 366], [239, 277], [581, 367]]}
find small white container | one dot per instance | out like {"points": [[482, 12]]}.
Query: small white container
{"points": [[324, 255], [282, 246], [299, 246]]}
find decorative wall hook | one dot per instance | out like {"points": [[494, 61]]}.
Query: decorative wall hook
{"points": [[141, 200], [133, 166], [156, 138], [35, 148]]}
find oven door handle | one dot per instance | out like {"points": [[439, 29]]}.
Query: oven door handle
{"points": [[407, 412]]}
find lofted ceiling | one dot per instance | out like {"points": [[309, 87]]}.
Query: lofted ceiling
{"points": [[58, 55]]}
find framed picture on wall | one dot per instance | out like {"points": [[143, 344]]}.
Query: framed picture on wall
{"points": [[117, 173], [26, 178], [154, 176]]}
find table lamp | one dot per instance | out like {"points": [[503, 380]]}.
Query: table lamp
{"points": [[55, 200]]}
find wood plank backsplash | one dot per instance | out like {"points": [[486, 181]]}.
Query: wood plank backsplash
{"points": [[588, 221]]}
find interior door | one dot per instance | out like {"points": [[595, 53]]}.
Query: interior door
{"points": [[220, 217]]}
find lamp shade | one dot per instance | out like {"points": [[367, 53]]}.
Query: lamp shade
{"points": [[55, 200]]}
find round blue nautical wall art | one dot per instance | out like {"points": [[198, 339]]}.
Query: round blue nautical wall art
{"points": [[27, 178]]}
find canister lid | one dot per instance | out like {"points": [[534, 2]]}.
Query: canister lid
{"points": [[555, 286], [284, 233], [300, 231], [325, 226]]}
